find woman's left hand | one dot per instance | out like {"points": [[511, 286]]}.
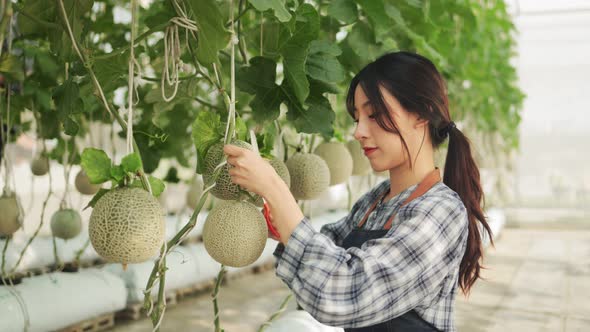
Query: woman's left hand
{"points": [[249, 170]]}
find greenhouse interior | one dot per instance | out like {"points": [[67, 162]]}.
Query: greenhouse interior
{"points": [[294, 166]]}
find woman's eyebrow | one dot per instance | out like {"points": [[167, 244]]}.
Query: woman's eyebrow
{"points": [[368, 102]]}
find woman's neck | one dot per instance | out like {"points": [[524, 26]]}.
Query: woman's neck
{"points": [[404, 177]]}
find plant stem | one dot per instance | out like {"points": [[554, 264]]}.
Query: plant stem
{"points": [[214, 296], [277, 313]]}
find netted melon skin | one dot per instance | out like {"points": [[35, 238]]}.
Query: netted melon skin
{"points": [[127, 225], [235, 233], [83, 184], [193, 194], [310, 175], [339, 161], [225, 188], [40, 166], [9, 216], [66, 224], [282, 170], [360, 163]]}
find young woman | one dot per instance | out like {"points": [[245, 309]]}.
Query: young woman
{"points": [[395, 262]]}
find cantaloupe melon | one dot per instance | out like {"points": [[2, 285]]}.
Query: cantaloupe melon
{"points": [[235, 233], [10, 218], [40, 166], [225, 188], [127, 225], [360, 163], [83, 184], [66, 224], [310, 175], [194, 192], [338, 159], [281, 169]]}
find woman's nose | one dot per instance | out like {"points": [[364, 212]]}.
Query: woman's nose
{"points": [[361, 130]]}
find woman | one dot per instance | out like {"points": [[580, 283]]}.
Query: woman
{"points": [[395, 262]]}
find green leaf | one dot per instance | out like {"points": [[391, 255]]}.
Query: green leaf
{"points": [[294, 52], [96, 197], [259, 79], [212, 34], [131, 163], [205, 132], [318, 118], [375, 10], [322, 63], [156, 184], [97, 165], [68, 102], [277, 6], [11, 67], [117, 173], [343, 10]]}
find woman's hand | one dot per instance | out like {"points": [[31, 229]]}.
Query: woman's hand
{"points": [[249, 170], [256, 175]]}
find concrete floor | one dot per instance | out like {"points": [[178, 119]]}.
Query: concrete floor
{"points": [[537, 279]]}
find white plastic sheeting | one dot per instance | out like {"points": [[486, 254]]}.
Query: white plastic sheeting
{"points": [[297, 321], [57, 300], [182, 271]]}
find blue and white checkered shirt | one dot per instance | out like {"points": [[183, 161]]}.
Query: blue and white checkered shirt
{"points": [[414, 267]]}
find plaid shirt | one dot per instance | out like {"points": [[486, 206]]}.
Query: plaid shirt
{"points": [[414, 267]]}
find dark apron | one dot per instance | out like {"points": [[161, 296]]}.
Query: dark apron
{"points": [[410, 321]]}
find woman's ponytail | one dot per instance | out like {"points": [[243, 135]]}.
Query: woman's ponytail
{"points": [[462, 175]]}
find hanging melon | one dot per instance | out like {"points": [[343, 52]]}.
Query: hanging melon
{"points": [[83, 184], [360, 162], [127, 225], [338, 159], [40, 165], [224, 188], [235, 233], [66, 224], [310, 175], [10, 215], [194, 192]]}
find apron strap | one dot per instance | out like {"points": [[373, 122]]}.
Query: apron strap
{"points": [[426, 184]]}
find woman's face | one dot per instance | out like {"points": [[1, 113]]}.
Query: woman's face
{"points": [[389, 152]]}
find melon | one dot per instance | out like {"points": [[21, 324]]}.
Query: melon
{"points": [[360, 163], [127, 225], [224, 188], [194, 192], [83, 184], [338, 159], [40, 166], [281, 169], [66, 224], [310, 175], [10, 216], [235, 233]]}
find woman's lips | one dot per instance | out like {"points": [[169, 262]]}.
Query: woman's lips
{"points": [[369, 150]]}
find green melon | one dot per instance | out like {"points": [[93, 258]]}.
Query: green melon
{"points": [[10, 217], [235, 233], [281, 169], [127, 226], [66, 224], [40, 166], [83, 184], [194, 192], [360, 162], [338, 159], [310, 175], [225, 188]]}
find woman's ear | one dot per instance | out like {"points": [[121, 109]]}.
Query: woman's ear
{"points": [[420, 122]]}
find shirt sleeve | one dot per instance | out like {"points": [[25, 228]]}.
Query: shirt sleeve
{"points": [[384, 278]]}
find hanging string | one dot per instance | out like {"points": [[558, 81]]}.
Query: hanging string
{"points": [[131, 80]]}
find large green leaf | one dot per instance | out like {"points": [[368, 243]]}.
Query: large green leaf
{"points": [[68, 102], [322, 63], [278, 6], [205, 132], [259, 79], [343, 10], [11, 67], [295, 51], [212, 34], [97, 165]]}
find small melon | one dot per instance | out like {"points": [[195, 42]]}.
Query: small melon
{"points": [[127, 225], [194, 192], [224, 188], [338, 159], [83, 184], [281, 169], [310, 175], [10, 218], [66, 224], [360, 163], [235, 233], [40, 166]]}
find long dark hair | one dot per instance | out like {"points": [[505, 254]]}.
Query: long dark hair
{"points": [[418, 86]]}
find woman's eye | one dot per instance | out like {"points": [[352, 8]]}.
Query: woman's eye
{"points": [[372, 116]]}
